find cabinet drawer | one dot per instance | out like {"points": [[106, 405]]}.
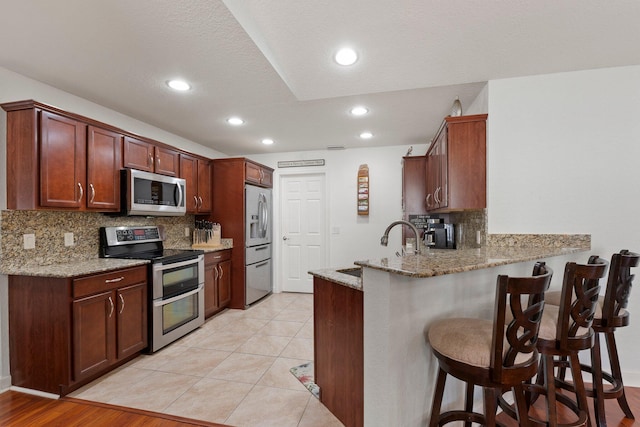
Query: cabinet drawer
{"points": [[218, 256], [107, 281]]}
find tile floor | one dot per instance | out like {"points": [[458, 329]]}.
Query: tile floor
{"points": [[234, 370]]}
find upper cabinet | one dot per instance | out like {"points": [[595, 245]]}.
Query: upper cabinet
{"points": [[197, 173], [55, 160], [145, 156], [258, 174], [456, 172]]}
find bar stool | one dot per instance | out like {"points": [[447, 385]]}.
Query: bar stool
{"points": [[610, 314], [564, 331], [497, 355]]}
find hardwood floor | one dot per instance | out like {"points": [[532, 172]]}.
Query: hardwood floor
{"points": [[20, 409]]}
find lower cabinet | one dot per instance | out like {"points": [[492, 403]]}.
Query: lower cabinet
{"points": [[65, 332], [217, 281]]}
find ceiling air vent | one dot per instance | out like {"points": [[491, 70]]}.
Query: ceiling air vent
{"points": [[335, 147]]}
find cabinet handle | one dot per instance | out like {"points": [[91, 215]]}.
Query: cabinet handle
{"points": [[111, 311], [81, 192], [150, 160], [221, 272], [122, 302], [195, 202], [199, 201], [435, 195], [215, 271], [427, 200], [157, 161], [93, 193], [117, 279]]}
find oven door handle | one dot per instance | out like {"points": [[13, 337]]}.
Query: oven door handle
{"points": [[160, 303], [158, 266]]}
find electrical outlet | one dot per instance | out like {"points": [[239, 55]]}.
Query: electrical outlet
{"points": [[68, 239], [187, 232], [29, 241]]}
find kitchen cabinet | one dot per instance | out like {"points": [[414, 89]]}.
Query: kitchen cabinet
{"points": [[197, 173], [217, 281], [56, 161], [229, 178], [145, 156], [65, 332], [258, 174], [414, 188], [456, 166]]}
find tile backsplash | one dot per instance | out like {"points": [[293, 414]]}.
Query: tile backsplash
{"points": [[49, 228]]}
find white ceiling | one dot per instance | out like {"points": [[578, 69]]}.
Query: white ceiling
{"points": [[270, 62]]}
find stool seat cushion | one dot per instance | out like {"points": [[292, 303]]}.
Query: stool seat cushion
{"points": [[466, 340], [553, 298]]}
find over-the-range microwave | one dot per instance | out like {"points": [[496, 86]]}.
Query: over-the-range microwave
{"points": [[151, 194]]}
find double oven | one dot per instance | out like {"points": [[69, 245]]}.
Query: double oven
{"points": [[176, 277]]}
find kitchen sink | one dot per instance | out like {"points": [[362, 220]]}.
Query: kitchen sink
{"points": [[355, 271]]}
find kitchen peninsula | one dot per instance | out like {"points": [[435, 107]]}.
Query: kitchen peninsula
{"points": [[392, 304]]}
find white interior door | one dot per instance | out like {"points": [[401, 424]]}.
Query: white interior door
{"points": [[303, 229]]}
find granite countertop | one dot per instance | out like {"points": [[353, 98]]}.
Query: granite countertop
{"points": [[90, 266], [336, 275], [437, 262]]}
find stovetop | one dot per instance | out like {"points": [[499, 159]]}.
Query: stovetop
{"points": [[164, 255]]}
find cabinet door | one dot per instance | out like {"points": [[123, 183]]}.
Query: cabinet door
{"points": [[224, 283], [94, 321], [104, 161], [62, 161], [138, 154], [205, 198], [167, 161], [132, 319], [189, 172], [267, 178], [252, 173], [210, 288], [443, 175]]}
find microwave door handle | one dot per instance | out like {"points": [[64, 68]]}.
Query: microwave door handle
{"points": [[179, 195]]}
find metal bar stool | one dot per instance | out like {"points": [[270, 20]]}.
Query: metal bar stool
{"points": [[498, 355], [565, 330], [610, 314]]}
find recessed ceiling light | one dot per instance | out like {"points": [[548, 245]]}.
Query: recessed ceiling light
{"points": [[178, 85], [267, 141], [366, 135], [346, 56], [359, 110], [235, 121]]}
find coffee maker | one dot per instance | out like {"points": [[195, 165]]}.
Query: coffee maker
{"points": [[439, 235]]}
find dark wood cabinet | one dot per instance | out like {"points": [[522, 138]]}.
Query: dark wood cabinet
{"points": [[258, 174], [414, 188], [229, 179], [104, 161], [197, 173], [65, 332], [145, 156], [217, 281], [338, 350], [456, 166]]}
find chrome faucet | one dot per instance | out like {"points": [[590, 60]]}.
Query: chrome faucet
{"points": [[385, 238]]}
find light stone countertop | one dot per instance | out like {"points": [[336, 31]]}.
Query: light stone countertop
{"points": [[86, 267], [438, 262]]}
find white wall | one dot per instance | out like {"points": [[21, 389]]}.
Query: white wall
{"points": [[353, 237], [14, 87], [563, 156]]}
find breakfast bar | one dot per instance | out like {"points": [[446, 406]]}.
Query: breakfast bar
{"points": [[401, 297]]}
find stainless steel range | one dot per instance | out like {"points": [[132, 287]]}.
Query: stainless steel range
{"points": [[176, 306]]}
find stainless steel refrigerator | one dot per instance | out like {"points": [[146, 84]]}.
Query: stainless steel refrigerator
{"points": [[258, 225]]}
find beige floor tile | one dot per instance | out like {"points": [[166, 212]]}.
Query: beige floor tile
{"points": [[270, 407], [197, 362], [223, 340], [155, 392], [317, 415], [210, 399], [266, 312], [245, 368], [299, 348], [281, 328], [279, 301], [246, 325], [294, 315], [306, 331], [279, 375], [265, 345], [111, 385], [160, 358]]}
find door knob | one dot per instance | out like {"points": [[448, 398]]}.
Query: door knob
{"points": [[285, 238]]}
